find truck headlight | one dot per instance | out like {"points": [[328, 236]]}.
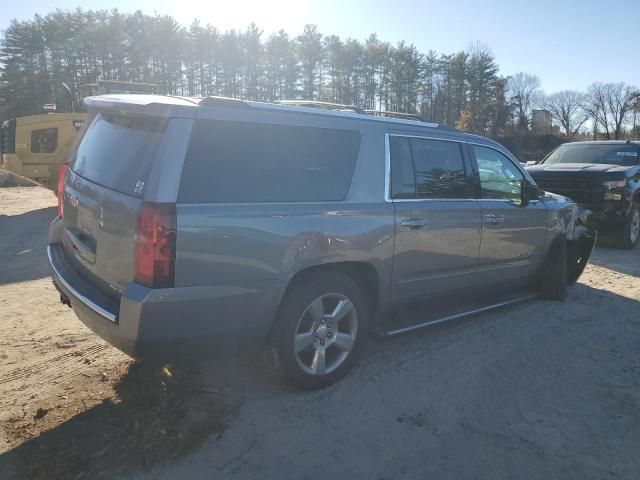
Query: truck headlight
{"points": [[609, 194], [614, 184]]}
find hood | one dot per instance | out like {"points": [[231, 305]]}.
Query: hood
{"points": [[578, 167]]}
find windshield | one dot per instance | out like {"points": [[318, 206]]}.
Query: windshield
{"points": [[610, 154]]}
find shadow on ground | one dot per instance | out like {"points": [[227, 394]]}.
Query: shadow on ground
{"points": [[23, 241], [536, 390], [622, 261], [154, 419], [531, 390]]}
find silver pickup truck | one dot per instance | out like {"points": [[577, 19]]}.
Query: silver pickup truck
{"points": [[221, 225]]}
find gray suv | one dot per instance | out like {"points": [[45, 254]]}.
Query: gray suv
{"points": [[188, 224]]}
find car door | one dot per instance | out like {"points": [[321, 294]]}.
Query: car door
{"points": [[437, 222], [513, 230]]}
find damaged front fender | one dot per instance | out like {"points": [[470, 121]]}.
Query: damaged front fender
{"points": [[572, 223]]}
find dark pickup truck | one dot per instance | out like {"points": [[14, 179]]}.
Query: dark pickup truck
{"points": [[603, 176]]}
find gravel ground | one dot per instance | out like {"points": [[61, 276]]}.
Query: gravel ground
{"points": [[536, 390]]}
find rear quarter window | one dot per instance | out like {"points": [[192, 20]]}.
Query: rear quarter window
{"points": [[236, 162], [118, 151]]}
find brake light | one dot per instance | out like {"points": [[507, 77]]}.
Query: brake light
{"points": [[155, 245], [61, 173]]}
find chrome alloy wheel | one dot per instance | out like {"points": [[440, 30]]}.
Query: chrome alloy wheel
{"points": [[635, 225], [325, 334]]}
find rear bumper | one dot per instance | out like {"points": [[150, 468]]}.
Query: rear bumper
{"points": [[175, 322]]}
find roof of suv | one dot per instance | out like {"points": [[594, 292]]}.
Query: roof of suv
{"points": [[179, 106], [172, 104]]}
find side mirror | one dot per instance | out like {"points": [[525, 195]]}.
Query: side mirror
{"points": [[530, 192], [531, 163]]}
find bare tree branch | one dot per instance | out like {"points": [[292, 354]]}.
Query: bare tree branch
{"points": [[568, 109]]}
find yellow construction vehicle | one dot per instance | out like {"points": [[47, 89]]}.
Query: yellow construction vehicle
{"points": [[36, 146]]}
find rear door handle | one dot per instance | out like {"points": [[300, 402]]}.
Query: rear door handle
{"points": [[494, 219], [414, 223]]}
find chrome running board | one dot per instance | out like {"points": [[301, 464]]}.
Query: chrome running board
{"points": [[400, 331]]}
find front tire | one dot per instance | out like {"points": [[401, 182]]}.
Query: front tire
{"points": [[319, 332], [631, 230], [553, 280]]}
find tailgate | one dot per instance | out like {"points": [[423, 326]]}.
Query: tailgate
{"points": [[99, 231], [103, 191]]}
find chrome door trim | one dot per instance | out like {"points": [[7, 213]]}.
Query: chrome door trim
{"points": [[387, 169], [400, 331]]}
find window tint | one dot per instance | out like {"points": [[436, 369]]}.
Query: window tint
{"points": [[422, 168], [117, 151], [403, 182], [247, 162], [44, 140], [499, 177]]}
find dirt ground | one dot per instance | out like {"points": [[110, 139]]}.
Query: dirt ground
{"points": [[537, 390]]}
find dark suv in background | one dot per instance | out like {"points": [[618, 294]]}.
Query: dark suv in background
{"points": [[232, 224], [603, 176]]}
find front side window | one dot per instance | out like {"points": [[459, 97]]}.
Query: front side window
{"points": [[499, 177], [44, 140], [424, 168]]}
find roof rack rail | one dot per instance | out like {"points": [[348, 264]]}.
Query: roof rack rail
{"points": [[213, 101], [401, 115], [324, 105]]}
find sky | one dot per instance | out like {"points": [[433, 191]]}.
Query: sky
{"points": [[569, 44]]}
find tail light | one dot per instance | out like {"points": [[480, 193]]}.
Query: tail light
{"points": [[155, 245], [61, 173]]}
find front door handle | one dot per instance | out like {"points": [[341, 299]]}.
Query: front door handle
{"points": [[494, 219], [414, 223]]}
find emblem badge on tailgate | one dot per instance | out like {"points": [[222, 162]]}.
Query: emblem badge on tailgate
{"points": [[139, 187]]}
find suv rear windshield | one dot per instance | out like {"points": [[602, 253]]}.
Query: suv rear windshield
{"points": [[234, 162], [610, 154], [117, 151]]}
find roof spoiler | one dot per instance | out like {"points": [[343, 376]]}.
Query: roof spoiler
{"points": [[143, 105]]}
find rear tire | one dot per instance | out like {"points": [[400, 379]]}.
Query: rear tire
{"points": [[553, 283], [631, 230], [319, 332]]}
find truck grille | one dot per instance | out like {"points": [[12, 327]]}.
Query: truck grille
{"points": [[585, 192]]}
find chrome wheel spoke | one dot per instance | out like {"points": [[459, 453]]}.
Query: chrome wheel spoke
{"points": [[344, 342], [316, 310], [343, 308], [635, 225], [317, 333], [318, 363], [302, 341]]}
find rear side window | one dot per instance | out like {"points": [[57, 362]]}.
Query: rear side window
{"points": [[44, 140], [423, 168], [233, 162], [118, 151]]}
